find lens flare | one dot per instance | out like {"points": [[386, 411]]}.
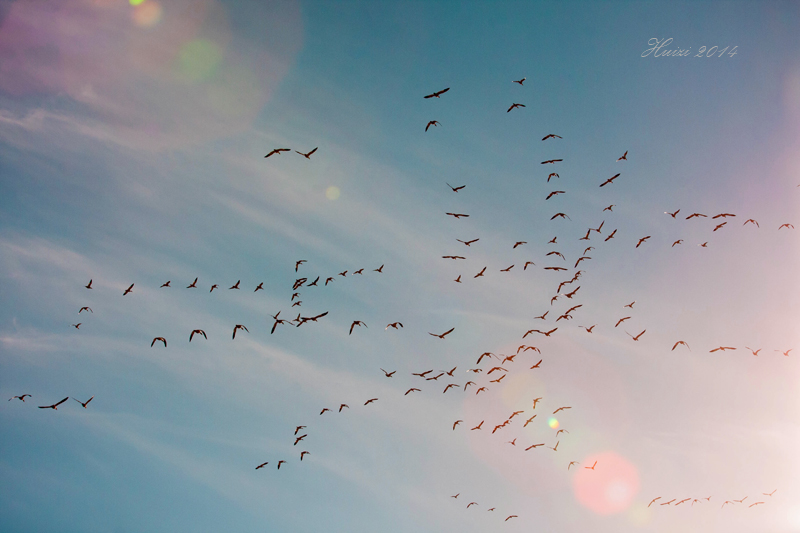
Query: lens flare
{"points": [[199, 59], [552, 422], [608, 488], [136, 2], [332, 192], [147, 15]]}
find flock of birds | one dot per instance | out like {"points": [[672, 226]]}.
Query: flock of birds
{"points": [[496, 367]]}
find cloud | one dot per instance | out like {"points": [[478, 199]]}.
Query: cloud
{"points": [[178, 80]]}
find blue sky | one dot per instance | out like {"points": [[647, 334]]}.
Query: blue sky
{"points": [[132, 143]]}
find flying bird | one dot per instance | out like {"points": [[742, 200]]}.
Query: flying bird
{"points": [[554, 193], [239, 326], [443, 334], [519, 81], [545, 333], [55, 405], [89, 285], [479, 274], [393, 325], [551, 135], [562, 215], [22, 398], [456, 189], [552, 174], [342, 406], [437, 94], [262, 465], [193, 285], [308, 155], [129, 289], [551, 161], [609, 180], [432, 123], [84, 404], [787, 226], [672, 214], [642, 240], [721, 348], [609, 208], [200, 332], [162, 339], [624, 157], [679, 342], [370, 401], [752, 221], [561, 409], [514, 106], [277, 151], [468, 242], [693, 215], [411, 389], [457, 215], [356, 323], [389, 374], [591, 467], [85, 309], [636, 338]]}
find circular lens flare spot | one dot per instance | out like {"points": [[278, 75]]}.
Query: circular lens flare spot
{"points": [[332, 192], [608, 488], [552, 422], [136, 2], [147, 15]]}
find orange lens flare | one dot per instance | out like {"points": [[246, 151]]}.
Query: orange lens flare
{"points": [[610, 487]]}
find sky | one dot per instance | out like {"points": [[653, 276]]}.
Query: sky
{"points": [[133, 138]]}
